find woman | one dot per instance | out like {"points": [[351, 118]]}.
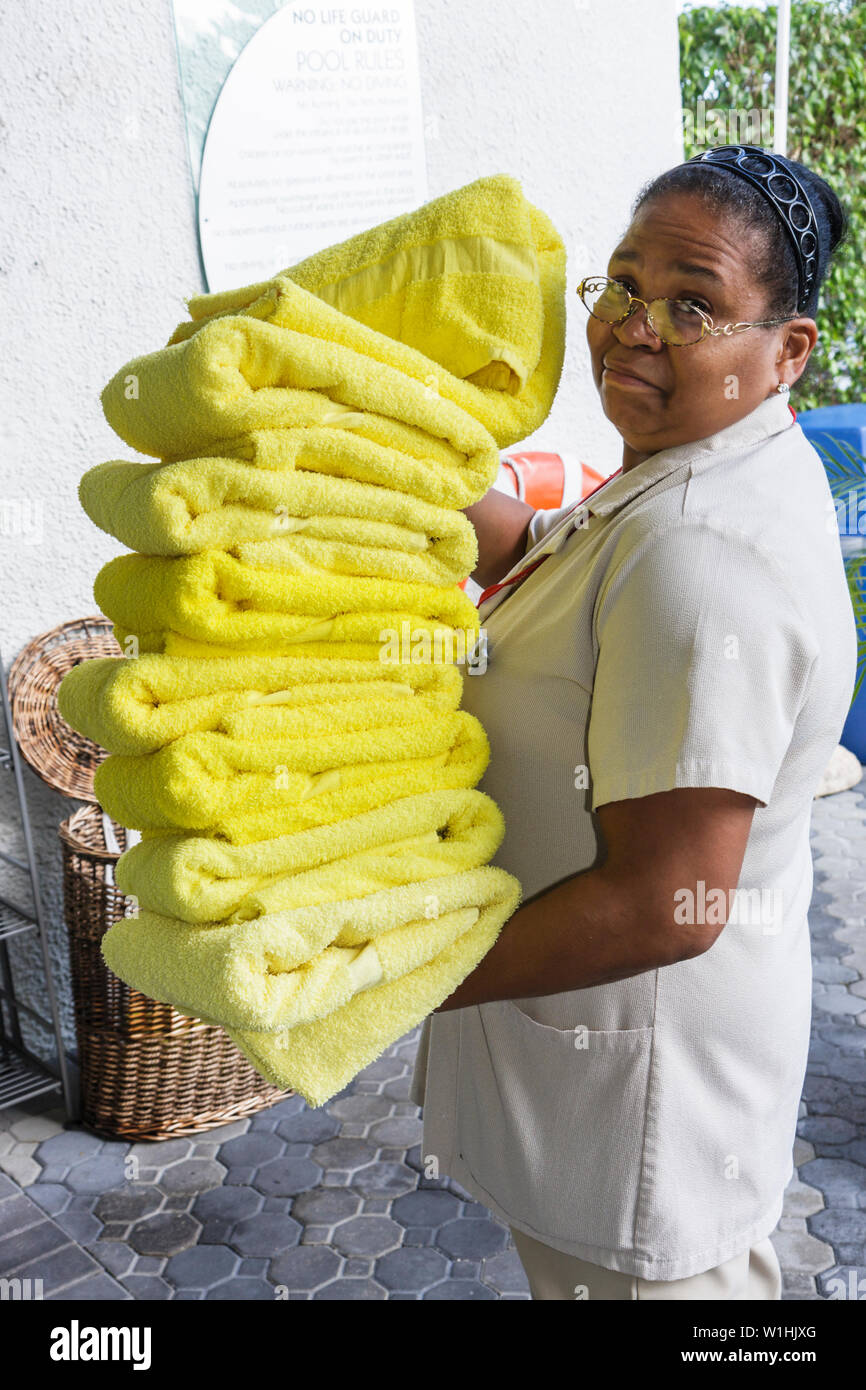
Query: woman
{"points": [[619, 1079]]}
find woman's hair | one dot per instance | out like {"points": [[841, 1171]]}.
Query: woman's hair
{"points": [[728, 192]]}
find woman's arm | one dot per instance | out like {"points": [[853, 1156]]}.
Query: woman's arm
{"points": [[501, 523], [620, 918]]}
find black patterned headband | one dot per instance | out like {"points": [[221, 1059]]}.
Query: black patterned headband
{"points": [[779, 186]]}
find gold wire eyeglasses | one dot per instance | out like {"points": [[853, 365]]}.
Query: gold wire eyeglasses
{"points": [[677, 322]]}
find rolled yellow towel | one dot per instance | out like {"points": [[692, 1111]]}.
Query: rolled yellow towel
{"points": [[213, 597], [313, 521], [292, 967], [137, 706], [415, 837], [247, 792]]}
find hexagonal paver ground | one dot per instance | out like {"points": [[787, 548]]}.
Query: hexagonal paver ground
{"points": [[332, 1204]]}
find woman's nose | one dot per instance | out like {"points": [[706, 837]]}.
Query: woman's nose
{"points": [[635, 330]]}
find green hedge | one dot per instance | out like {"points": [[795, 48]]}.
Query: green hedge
{"points": [[727, 61]]}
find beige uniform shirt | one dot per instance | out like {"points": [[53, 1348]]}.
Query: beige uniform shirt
{"points": [[696, 632]]}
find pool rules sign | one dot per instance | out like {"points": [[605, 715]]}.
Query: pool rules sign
{"points": [[317, 133]]}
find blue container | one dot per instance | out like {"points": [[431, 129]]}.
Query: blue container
{"points": [[825, 428], [822, 427]]}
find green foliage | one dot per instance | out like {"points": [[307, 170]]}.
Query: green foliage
{"points": [[727, 60]]}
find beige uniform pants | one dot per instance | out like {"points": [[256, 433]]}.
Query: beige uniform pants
{"points": [[753, 1274]]}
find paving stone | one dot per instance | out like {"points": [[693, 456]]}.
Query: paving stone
{"points": [[316, 1235], [399, 1130], [425, 1208], [463, 1290], [193, 1175], [827, 1129], [80, 1226], [239, 1177], [361, 1107], [408, 1270], [201, 1267], [307, 1267], [385, 1069], [100, 1288], [241, 1290], [28, 1244], [345, 1154], [843, 1283], [419, 1235], [96, 1174], [377, 1178], [472, 1239], [116, 1255], [265, 1234], [286, 1177], [130, 1203], [52, 1197], [324, 1206], [222, 1133], [840, 1180], [804, 1152], [17, 1213], [35, 1128], [309, 1126], [366, 1290], [335, 1177], [801, 1199], [838, 1001], [845, 1229], [177, 1201], [24, 1170], [166, 1233], [228, 1203], [60, 1268], [368, 1235], [803, 1253], [505, 1273], [159, 1154], [249, 1150], [68, 1147], [846, 1036], [147, 1288]]}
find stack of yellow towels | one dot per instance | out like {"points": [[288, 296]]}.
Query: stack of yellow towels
{"points": [[285, 729]]}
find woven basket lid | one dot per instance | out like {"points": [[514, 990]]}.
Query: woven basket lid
{"points": [[63, 758]]}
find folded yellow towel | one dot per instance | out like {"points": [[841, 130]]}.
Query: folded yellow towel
{"points": [[315, 521], [137, 706], [239, 374], [415, 837], [338, 441], [245, 792], [298, 965], [318, 1059], [213, 597], [472, 281]]}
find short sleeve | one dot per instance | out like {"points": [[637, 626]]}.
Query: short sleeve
{"points": [[704, 661], [542, 523]]}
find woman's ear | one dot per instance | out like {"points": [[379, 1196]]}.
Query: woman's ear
{"points": [[800, 337]]}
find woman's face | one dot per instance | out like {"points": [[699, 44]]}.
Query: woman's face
{"points": [[659, 396]]}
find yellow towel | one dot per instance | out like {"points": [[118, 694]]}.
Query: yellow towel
{"points": [[295, 966], [246, 792], [335, 440], [318, 1059], [199, 880], [239, 374], [314, 520], [472, 281], [213, 597], [137, 706]]}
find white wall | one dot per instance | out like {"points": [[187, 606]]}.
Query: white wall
{"points": [[98, 245]]}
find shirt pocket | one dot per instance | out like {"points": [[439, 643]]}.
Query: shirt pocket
{"points": [[550, 1122]]}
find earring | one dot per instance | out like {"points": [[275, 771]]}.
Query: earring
{"points": [[783, 388]]}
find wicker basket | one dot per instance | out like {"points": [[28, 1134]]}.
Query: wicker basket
{"points": [[147, 1072], [57, 753]]}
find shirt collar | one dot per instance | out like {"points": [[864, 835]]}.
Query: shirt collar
{"points": [[770, 417]]}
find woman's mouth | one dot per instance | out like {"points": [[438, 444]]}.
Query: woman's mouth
{"points": [[613, 376]]}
